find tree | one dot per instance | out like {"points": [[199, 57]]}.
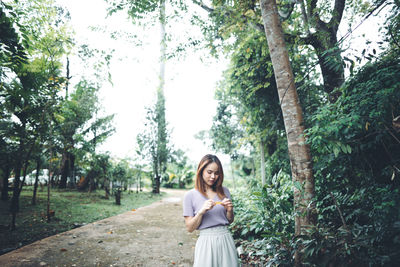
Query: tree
{"points": [[35, 40], [162, 135], [299, 151], [154, 142], [225, 135], [159, 150], [305, 23], [74, 116], [248, 96], [34, 78]]}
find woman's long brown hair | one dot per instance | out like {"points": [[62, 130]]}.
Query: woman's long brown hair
{"points": [[217, 186]]}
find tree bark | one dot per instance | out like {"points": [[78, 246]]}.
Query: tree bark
{"points": [[24, 172], [159, 158], [35, 186], [106, 187], [90, 177], [50, 176], [137, 183], [66, 168], [299, 151], [325, 45], [6, 175], [140, 183], [118, 196], [14, 207], [156, 185], [324, 41]]}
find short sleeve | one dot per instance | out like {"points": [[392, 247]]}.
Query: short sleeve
{"points": [[227, 193], [187, 205]]}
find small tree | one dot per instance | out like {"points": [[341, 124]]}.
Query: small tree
{"points": [[154, 142]]}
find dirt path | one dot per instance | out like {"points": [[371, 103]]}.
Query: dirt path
{"points": [[154, 235]]}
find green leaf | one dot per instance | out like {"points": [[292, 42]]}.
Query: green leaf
{"points": [[336, 151]]}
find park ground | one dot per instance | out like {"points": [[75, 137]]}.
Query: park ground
{"points": [[154, 235]]}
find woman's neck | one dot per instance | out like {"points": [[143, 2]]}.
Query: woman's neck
{"points": [[208, 188]]}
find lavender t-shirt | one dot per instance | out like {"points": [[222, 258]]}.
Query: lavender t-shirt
{"points": [[192, 203]]}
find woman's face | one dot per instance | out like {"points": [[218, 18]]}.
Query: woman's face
{"points": [[211, 173]]}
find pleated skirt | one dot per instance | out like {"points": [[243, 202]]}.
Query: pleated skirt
{"points": [[215, 248]]}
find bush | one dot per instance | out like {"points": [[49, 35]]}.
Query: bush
{"points": [[264, 222]]}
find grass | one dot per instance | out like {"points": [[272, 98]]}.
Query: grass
{"points": [[72, 209]]}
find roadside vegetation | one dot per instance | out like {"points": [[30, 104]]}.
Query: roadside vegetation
{"points": [[69, 208]]}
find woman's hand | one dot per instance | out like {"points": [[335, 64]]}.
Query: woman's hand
{"points": [[227, 203], [192, 223], [209, 204]]}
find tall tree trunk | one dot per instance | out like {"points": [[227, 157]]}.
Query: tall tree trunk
{"points": [[163, 44], [330, 61], [262, 167], [50, 179], [299, 151], [67, 166], [6, 175], [324, 40], [160, 156], [91, 175], [64, 170], [156, 185], [35, 186], [24, 172], [106, 187], [140, 183], [14, 207]]}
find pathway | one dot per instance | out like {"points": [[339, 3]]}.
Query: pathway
{"points": [[154, 235]]}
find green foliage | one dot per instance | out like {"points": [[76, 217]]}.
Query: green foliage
{"points": [[264, 220], [248, 102], [371, 236], [13, 48], [119, 173], [356, 156], [392, 27], [137, 10], [180, 171], [359, 136], [355, 150]]}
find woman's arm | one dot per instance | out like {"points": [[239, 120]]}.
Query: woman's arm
{"points": [[230, 216], [192, 223], [227, 203]]}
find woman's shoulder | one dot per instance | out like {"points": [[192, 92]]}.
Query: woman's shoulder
{"points": [[190, 193], [226, 191]]}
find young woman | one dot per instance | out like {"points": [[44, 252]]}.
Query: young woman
{"points": [[208, 208]]}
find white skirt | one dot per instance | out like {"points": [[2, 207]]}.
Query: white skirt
{"points": [[215, 248]]}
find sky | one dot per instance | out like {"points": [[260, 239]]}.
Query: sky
{"points": [[190, 81], [189, 86]]}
